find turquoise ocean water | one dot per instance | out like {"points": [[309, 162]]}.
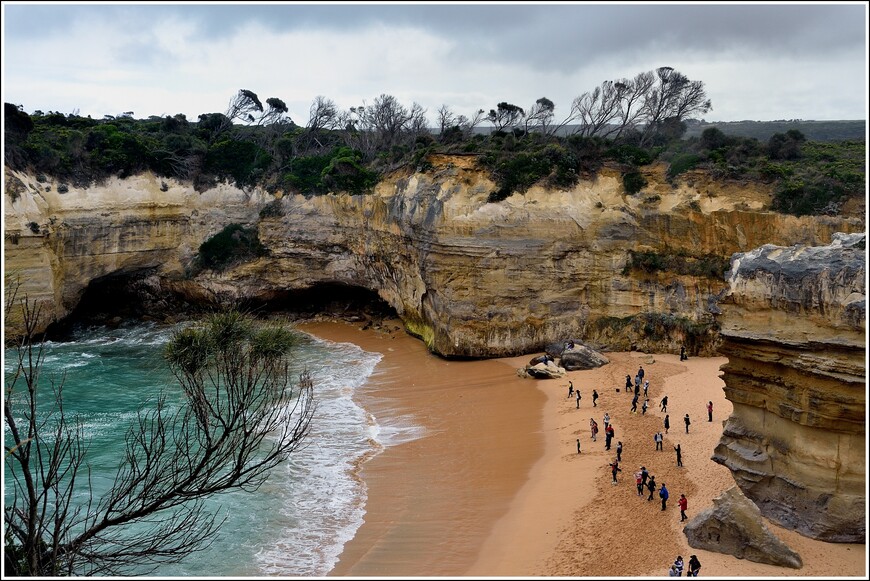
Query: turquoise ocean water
{"points": [[297, 523]]}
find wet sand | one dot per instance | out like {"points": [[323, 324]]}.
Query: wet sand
{"points": [[496, 486]]}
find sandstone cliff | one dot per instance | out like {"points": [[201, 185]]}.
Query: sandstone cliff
{"points": [[469, 277], [57, 243], [793, 328]]}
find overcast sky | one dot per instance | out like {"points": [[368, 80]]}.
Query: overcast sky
{"points": [[757, 62]]}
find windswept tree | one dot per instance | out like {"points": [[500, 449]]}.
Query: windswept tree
{"points": [[672, 98], [246, 109], [242, 416], [654, 103], [632, 93], [469, 124], [540, 116], [505, 115], [597, 110]]}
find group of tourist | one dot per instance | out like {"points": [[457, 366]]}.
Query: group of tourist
{"points": [[676, 569], [646, 482]]}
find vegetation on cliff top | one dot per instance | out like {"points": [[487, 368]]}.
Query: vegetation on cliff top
{"points": [[628, 123]]}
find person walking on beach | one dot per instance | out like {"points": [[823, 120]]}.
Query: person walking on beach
{"points": [[709, 411], [570, 388], [667, 423], [640, 372], [651, 486], [664, 494], [644, 475], [619, 451], [638, 478], [644, 407], [593, 427], [594, 398], [658, 439], [606, 420], [679, 565], [578, 445], [608, 436], [627, 384], [679, 452], [686, 419], [637, 390], [672, 572], [694, 566], [683, 355], [578, 398], [636, 383], [646, 388], [664, 405], [634, 404], [614, 468], [684, 504]]}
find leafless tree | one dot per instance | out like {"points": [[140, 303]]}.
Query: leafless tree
{"points": [[417, 124], [445, 119], [383, 124], [323, 115], [388, 118], [468, 124], [242, 418]]}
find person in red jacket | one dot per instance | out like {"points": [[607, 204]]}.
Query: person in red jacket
{"points": [[684, 503]]}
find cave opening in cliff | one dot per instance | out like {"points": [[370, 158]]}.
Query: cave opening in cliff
{"points": [[141, 295], [337, 300], [120, 297]]}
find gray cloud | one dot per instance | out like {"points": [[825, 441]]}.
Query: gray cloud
{"points": [[574, 46]]}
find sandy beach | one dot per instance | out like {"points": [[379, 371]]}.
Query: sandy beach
{"points": [[496, 486]]}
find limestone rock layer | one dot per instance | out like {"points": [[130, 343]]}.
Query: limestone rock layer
{"points": [[470, 278], [793, 329]]}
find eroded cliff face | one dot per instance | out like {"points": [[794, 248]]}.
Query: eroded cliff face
{"points": [[56, 244], [793, 327], [471, 278]]}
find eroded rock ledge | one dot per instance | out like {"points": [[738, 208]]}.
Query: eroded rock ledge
{"points": [[793, 329]]}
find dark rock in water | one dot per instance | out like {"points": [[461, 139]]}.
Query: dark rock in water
{"points": [[733, 526], [582, 357]]}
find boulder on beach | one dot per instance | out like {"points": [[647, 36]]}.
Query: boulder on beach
{"points": [[733, 526]]}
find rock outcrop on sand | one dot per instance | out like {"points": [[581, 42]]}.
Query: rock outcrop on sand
{"points": [[542, 370], [733, 525], [580, 356], [793, 330]]}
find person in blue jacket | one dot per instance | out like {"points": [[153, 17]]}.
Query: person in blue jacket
{"points": [[663, 494]]}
